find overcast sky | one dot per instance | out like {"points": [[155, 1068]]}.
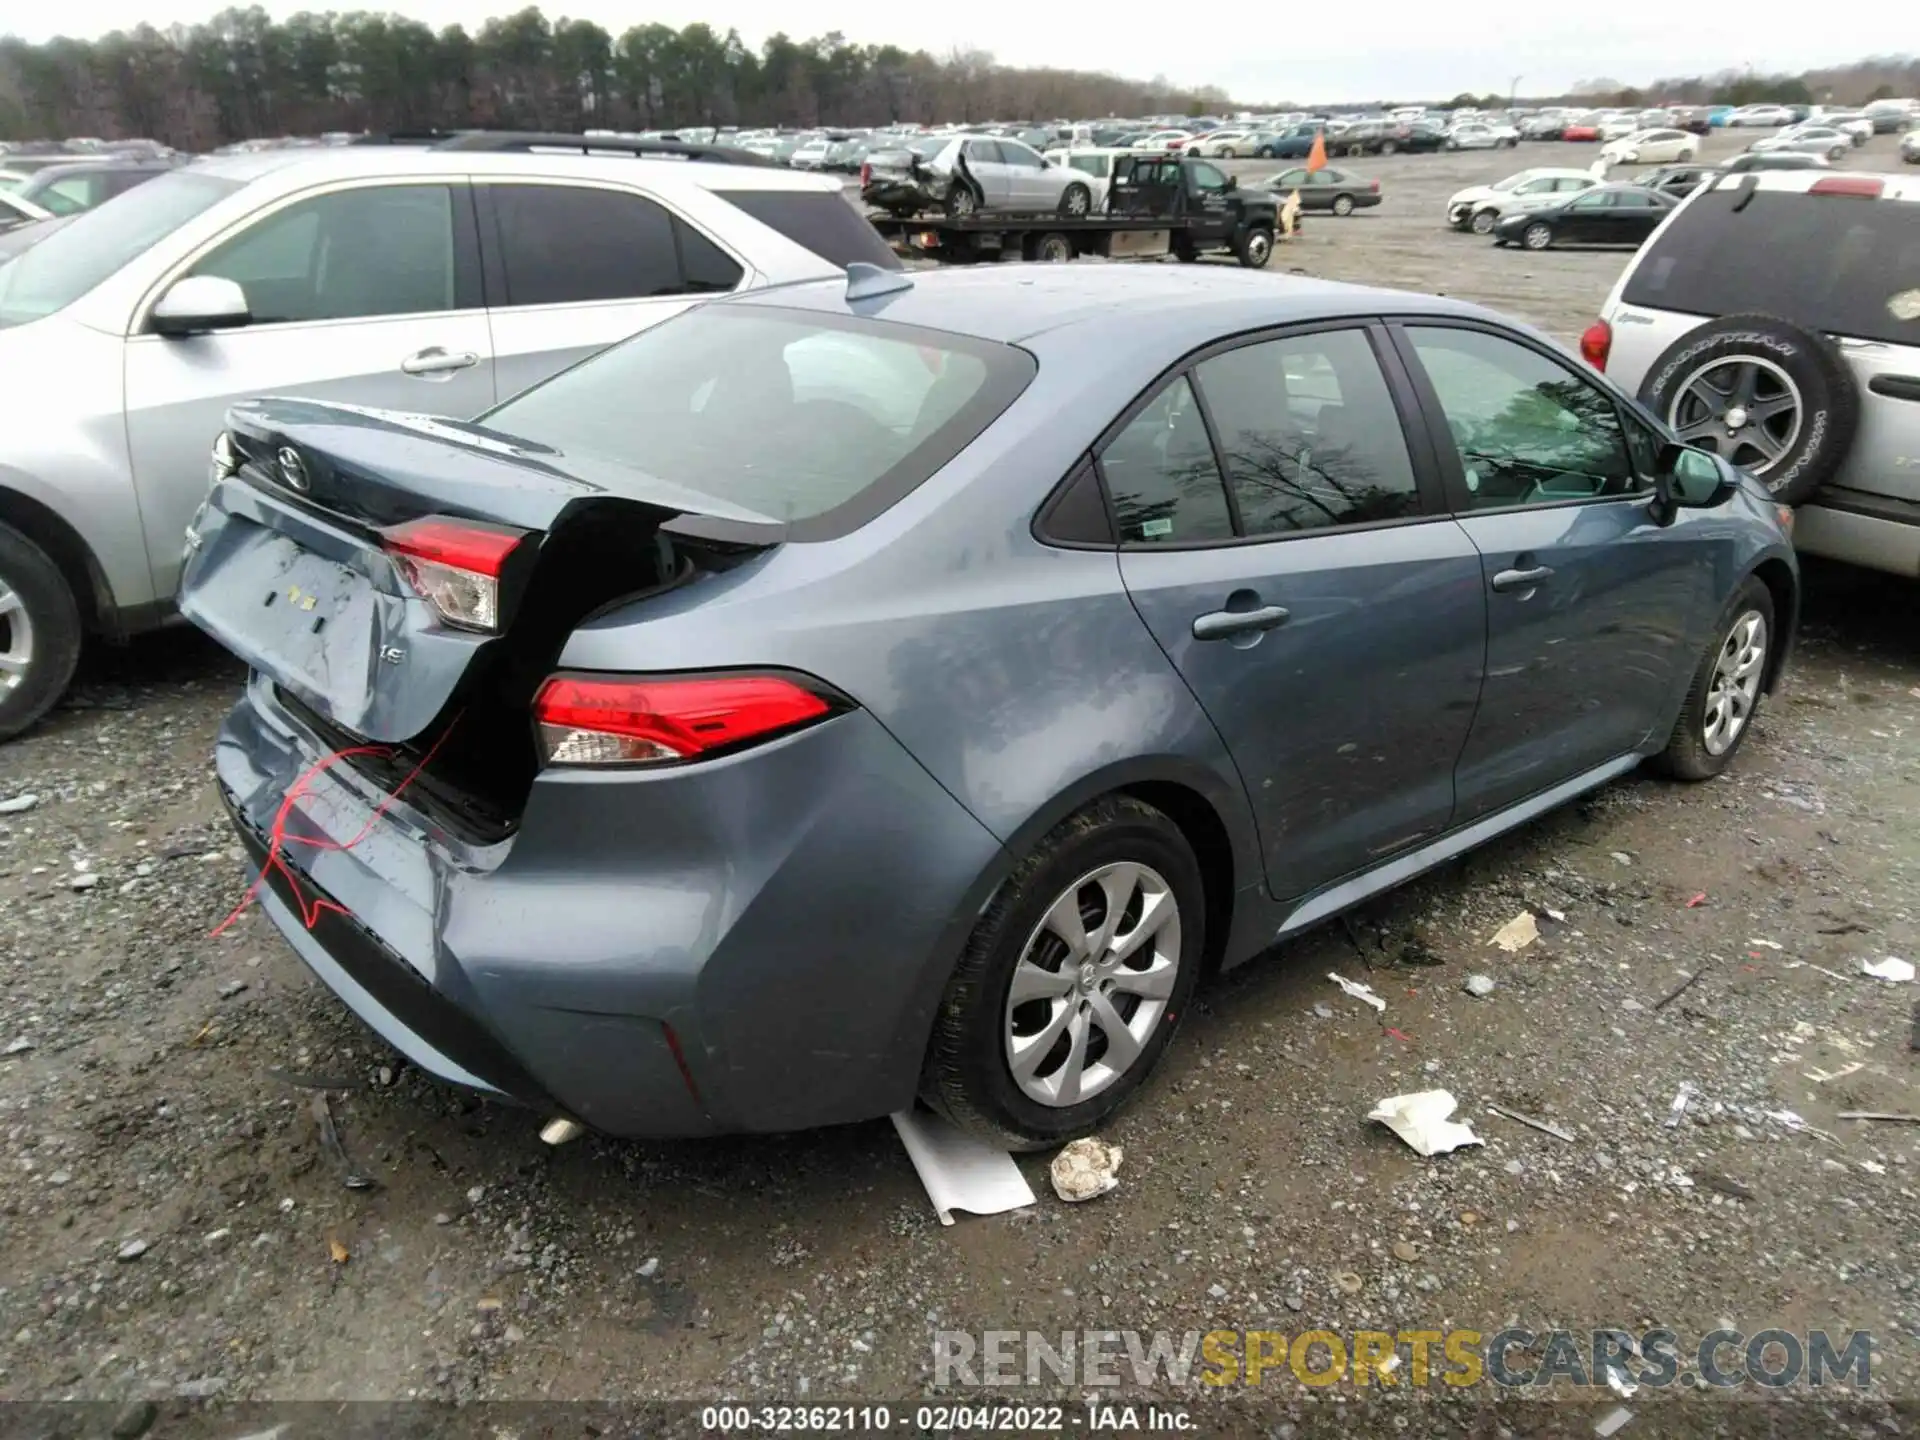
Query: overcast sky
{"points": [[1401, 49]]}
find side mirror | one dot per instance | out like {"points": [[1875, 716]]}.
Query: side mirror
{"points": [[200, 303], [1688, 479]]}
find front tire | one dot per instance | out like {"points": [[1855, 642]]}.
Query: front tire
{"points": [[1388, 147], [1254, 247], [39, 632], [1073, 981], [1727, 688], [1538, 236]]}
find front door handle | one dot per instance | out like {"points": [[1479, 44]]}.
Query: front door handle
{"points": [[1521, 579], [437, 361], [1225, 624]]}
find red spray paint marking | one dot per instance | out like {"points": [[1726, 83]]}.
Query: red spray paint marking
{"points": [[279, 839]]}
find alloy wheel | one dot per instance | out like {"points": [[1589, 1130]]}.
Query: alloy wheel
{"points": [[1744, 408], [1092, 984], [1078, 202], [1483, 222], [16, 638], [1735, 687], [1538, 236], [1342, 205]]}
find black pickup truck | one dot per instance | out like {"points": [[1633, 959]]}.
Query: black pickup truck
{"points": [[1155, 204]]}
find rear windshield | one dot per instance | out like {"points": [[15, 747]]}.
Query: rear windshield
{"points": [[1833, 263], [818, 221], [818, 421], [93, 245]]}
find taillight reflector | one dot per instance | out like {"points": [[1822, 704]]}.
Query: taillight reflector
{"points": [[1596, 343], [866, 176], [455, 565], [1864, 187], [623, 720]]}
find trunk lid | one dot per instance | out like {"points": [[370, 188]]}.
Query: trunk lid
{"points": [[297, 558]]}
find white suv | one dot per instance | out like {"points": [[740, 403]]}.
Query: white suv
{"points": [[438, 279], [1775, 319]]}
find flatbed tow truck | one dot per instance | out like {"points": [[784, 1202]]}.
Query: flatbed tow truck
{"points": [[1156, 205]]}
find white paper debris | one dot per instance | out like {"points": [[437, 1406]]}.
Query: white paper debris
{"points": [[1421, 1120], [1809, 965], [960, 1171], [1358, 992], [1085, 1168], [1611, 1422], [1618, 1382], [1767, 944], [1892, 968], [1679, 1107], [1518, 933]]}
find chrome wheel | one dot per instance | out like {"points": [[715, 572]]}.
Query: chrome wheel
{"points": [[1735, 687], [1092, 984], [1745, 409], [16, 638]]}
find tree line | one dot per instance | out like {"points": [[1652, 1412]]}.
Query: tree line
{"points": [[1879, 77], [243, 75]]}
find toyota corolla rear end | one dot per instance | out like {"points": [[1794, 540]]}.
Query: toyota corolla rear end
{"points": [[657, 903]]}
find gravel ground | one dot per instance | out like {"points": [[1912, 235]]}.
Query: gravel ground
{"points": [[172, 1227]]}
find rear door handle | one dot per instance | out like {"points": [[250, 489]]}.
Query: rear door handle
{"points": [[1521, 579], [1224, 624], [436, 361]]}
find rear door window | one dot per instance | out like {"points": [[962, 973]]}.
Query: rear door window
{"points": [[1310, 434], [561, 244], [1833, 263]]}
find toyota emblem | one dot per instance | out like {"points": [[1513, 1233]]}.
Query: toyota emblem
{"points": [[293, 470]]}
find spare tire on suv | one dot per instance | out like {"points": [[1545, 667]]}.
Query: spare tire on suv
{"points": [[1772, 397]]}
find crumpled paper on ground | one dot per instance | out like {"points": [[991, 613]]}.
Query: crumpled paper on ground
{"points": [[1421, 1120], [1892, 968], [1085, 1168]]}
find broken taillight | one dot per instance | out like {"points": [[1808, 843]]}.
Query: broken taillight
{"points": [[667, 720], [455, 565]]}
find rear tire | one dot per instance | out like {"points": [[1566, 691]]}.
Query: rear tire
{"points": [[1483, 221], [1727, 688], [1343, 204], [1254, 247], [1388, 147], [39, 633], [961, 204], [1076, 201], [969, 1072], [1053, 248]]}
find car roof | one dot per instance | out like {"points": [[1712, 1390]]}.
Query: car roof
{"points": [[1108, 305], [1801, 182], [374, 161]]}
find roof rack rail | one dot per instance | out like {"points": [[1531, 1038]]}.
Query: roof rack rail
{"points": [[529, 141]]}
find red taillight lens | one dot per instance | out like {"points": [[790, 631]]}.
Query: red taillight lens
{"points": [[866, 176], [1596, 343], [455, 565], [1374, 186], [1860, 186], [617, 720]]}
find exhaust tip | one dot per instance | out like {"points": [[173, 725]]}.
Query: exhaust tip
{"points": [[559, 1130]]}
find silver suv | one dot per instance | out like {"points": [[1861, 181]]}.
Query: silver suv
{"points": [[435, 279], [1775, 319]]}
